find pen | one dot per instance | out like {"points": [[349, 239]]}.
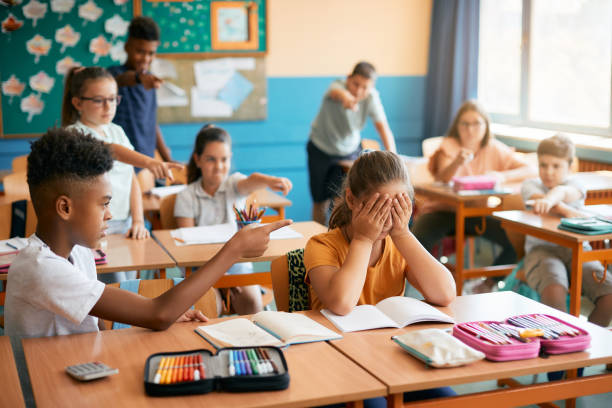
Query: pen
{"points": [[182, 241], [12, 246], [232, 370]]}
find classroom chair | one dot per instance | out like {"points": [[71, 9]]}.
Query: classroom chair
{"points": [[16, 184], [291, 293], [20, 163], [166, 212], [146, 180], [154, 287], [430, 145]]}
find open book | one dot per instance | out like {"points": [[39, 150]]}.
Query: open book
{"points": [[396, 311], [266, 329]]}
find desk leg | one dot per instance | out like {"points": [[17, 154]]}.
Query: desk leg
{"points": [[395, 400], [162, 273], [576, 279], [354, 404], [570, 375], [459, 244]]}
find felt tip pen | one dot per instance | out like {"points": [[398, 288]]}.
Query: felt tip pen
{"points": [[158, 374], [230, 364], [12, 246]]}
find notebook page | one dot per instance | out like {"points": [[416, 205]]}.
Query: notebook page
{"points": [[239, 333], [363, 317], [406, 310], [293, 327]]}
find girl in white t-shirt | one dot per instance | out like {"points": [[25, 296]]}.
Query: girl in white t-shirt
{"points": [[211, 193]]}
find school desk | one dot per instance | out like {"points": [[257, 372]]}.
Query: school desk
{"points": [[197, 255], [126, 254], [10, 388], [384, 359], [319, 373], [545, 227], [263, 198]]}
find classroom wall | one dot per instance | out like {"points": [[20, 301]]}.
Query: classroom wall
{"points": [[310, 44]]}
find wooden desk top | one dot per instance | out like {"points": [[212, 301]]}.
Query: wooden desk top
{"points": [[126, 254], [319, 373], [197, 255], [402, 372], [10, 393], [546, 224], [264, 198]]}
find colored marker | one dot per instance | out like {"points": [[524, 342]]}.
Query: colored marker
{"points": [[230, 364], [245, 360], [274, 367], [253, 361], [160, 367]]}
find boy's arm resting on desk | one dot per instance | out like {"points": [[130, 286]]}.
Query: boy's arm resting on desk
{"points": [[158, 168], [386, 135], [556, 200], [257, 181], [138, 229], [436, 284], [159, 313]]}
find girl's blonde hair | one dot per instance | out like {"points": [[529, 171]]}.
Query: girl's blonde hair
{"points": [[467, 106], [370, 171], [75, 86]]}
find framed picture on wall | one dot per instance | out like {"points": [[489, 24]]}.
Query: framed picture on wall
{"points": [[234, 25]]}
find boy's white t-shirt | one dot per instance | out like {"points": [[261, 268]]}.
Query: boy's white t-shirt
{"points": [[48, 295], [121, 174]]}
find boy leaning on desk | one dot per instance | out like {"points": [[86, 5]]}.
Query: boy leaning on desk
{"points": [[547, 265], [52, 287]]}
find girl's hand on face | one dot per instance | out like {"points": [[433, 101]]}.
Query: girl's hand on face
{"points": [[280, 184], [138, 231], [401, 210], [369, 218]]}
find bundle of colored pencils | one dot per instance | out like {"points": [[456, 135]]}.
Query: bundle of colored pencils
{"points": [[248, 214]]}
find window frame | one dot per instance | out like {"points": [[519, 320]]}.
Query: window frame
{"points": [[522, 119]]}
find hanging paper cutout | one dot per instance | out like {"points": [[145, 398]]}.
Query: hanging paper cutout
{"points": [[42, 82], [11, 23], [89, 11], [63, 66], [33, 105], [117, 52], [12, 87], [116, 26], [67, 37], [10, 3], [38, 46], [35, 10], [99, 47], [120, 2], [61, 6]]}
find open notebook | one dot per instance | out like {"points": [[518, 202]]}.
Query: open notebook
{"points": [[266, 329], [396, 311], [220, 233]]}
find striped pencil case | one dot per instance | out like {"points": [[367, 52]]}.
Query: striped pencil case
{"points": [[233, 369]]}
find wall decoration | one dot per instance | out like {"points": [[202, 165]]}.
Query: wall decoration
{"points": [[67, 37], [11, 23], [61, 7], [12, 87], [35, 10]]}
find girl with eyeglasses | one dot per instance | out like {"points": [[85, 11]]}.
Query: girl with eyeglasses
{"points": [[469, 148], [89, 104]]}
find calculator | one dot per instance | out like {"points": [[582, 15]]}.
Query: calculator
{"points": [[90, 371]]}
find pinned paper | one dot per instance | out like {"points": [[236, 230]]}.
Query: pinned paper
{"points": [[235, 90], [11, 23], [162, 68], [61, 6], [116, 26], [32, 105], [42, 82], [89, 12], [67, 37], [12, 87], [117, 52], [63, 66], [35, 10], [204, 104], [38, 45], [99, 47]]}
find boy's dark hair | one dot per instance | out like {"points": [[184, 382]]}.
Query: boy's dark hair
{"points": [[208, 134], [76, 80], [370, 171], [66, 156], [143, 28], [364, 69], [559, 146]]}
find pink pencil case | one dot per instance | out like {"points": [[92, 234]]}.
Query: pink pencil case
{"points": [[474, 182], [560, 337]]}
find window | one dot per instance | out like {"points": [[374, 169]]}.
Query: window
{"points": [[547, 63]]}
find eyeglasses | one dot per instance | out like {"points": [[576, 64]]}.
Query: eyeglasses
{"points": [[467, 125], [113, 100]]}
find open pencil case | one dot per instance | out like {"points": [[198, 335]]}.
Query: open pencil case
{"points": [[232, 369], [504, 342]]}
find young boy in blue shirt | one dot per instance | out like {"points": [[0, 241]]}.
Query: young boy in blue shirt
{"points": [[52, 287], [335, 133], [548, 265], [137, 113]]}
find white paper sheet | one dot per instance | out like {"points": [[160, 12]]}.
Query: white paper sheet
{"points": [[169, 94], [203, 104], [162, 192], [221, 233]]}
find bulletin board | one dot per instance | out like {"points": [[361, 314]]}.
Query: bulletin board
{"points": [[229, 89], [61, 34]]}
